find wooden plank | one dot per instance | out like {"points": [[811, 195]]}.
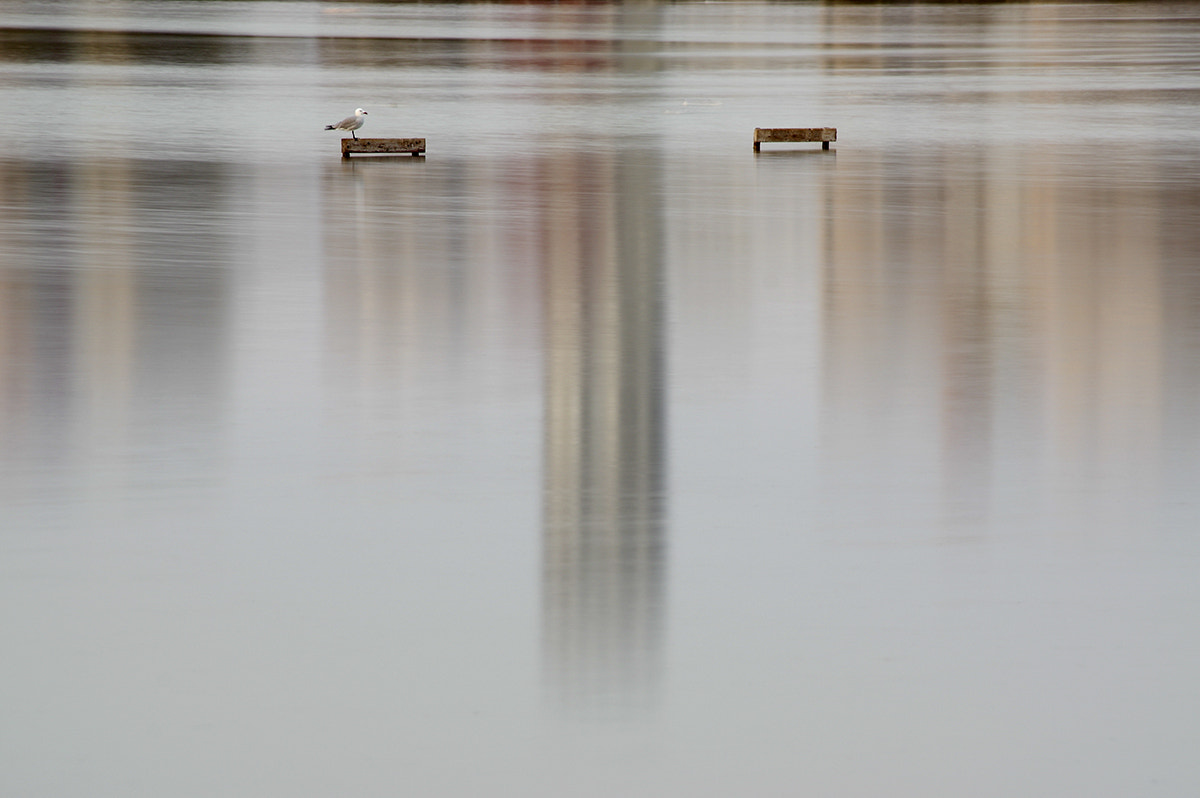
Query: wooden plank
{"points": [[382, 146], [786, 134], [794, 134]]}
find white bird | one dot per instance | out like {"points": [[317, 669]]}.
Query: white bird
{"points": [[350, 123]]}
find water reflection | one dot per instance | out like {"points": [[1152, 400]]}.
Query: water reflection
{"points": [[114, 295], [603, 558], [1010, 339], [415, 252]]}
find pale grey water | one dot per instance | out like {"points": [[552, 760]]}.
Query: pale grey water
{"points": [[593, 454]]}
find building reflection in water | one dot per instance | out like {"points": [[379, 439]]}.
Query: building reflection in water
{"points": [[599, 247], [112, 317], [603, 526], [1009, 342]]}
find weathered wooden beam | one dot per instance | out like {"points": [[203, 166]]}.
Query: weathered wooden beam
{"points": [[383, 146], [794, 134]]}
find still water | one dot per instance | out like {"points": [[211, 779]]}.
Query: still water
{"points": [[593, 454]]}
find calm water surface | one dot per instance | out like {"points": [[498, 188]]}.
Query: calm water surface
{"points": [[593, 454]]}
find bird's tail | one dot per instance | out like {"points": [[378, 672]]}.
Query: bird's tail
{"points": [[329, 127]]}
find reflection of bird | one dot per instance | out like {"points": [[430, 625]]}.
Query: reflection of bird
{"points": [[350, 123]]}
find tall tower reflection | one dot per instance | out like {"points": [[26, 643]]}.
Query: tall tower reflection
{"points": [[603, 561]]}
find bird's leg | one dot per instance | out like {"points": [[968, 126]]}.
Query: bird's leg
{"points": [[352, 133]]}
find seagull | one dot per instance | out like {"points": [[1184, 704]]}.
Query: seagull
{"points": [[350, 123]]}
